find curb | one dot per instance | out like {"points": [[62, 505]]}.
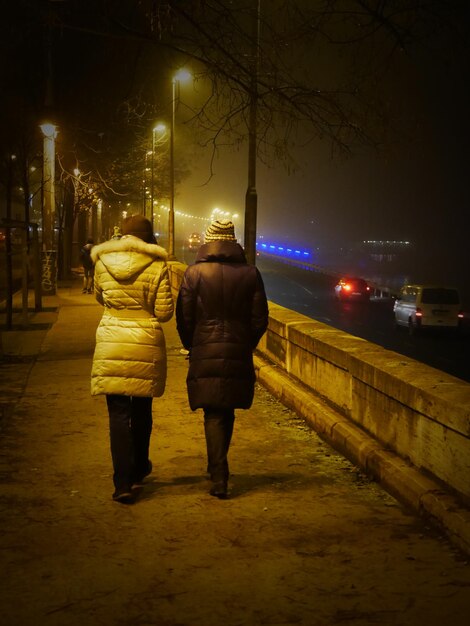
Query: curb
{"points": [[424, 495]]}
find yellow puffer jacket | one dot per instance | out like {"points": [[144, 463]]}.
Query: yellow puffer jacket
{"points": [[131, 281]]}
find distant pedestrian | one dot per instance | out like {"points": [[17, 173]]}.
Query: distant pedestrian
{"points": [[221, 315], [88, 266], [129, 363], [116, 233]]}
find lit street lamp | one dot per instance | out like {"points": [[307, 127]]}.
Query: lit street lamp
{"points": [[49, 260], [180, 77], [50, 134]]}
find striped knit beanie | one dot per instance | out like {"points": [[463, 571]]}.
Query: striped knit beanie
{"points": [[220, 230]]}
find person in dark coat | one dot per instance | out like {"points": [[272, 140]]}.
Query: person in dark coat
{"points": [[88, 266], [221, 314]]}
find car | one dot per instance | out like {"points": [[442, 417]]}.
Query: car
{"points": [[352, 288], [419, 307], [194, 241]]}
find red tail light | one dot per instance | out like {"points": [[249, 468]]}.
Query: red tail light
{"points": [[347, 287], [460, 315], [419, 313]]}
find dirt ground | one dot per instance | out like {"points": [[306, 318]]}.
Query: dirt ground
{"points": [[304, 539]]}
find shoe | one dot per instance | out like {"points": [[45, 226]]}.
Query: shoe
{"points": [[140, 478], [90, 291], [219, 490], [83, 290], [124, 497]]}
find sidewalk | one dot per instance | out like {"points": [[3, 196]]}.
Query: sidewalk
{"points": [[304, 539]]}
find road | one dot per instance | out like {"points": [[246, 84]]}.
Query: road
{"points": [[312, 294]]}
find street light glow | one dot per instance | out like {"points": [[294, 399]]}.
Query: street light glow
{"points": [[182, 76], [49, 130]]}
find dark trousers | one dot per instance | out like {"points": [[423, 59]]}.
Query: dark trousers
{"points": [[130, 426], [88, 276], [218, 428]]}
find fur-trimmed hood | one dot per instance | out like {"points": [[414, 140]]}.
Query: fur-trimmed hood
{"points": [[125, 257]]}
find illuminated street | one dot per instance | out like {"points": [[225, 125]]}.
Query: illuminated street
{"points": [[313, 156]]}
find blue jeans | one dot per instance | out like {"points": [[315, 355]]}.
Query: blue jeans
{"points": [[130, 426]]}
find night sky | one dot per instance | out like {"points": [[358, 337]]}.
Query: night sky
{"points": [[413, 188]]}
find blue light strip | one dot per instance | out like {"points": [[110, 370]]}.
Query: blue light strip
{"points": [[280, 250]]}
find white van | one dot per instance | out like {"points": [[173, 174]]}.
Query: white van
{"points": [[427, 306]]}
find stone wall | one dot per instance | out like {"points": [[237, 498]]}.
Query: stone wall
{"points": [[416, 411]]}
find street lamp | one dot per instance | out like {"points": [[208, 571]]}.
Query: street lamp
{"points": [[159, 128], [180, 77], [145, 175], [49, 261], [251, 196], [50, 133]]}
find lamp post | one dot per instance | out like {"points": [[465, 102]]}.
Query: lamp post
{"points": [[251, 196], [49, 260], [159, 128], [145, 191], [50, 133], [181, 76]]}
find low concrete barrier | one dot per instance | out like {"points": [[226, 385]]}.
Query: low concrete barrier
{"points": [[418, 412], [404, 422]]}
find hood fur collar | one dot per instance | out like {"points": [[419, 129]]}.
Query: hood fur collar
{"points": [[128, 243]]}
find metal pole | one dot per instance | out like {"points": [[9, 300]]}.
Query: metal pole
{"points": [[24, 275], [8, 245], [171, 213], [49, 193], [49, 253], [144, 187], [152, 179], [36, 269], [251, 197]]}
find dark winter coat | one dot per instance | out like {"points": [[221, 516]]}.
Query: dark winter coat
{"points": [[221, 314], [85, 256]]}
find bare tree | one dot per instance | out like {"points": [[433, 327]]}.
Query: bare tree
{"points": [[280, 74]]}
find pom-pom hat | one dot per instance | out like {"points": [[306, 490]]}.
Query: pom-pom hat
{"points": [[220, 230]]}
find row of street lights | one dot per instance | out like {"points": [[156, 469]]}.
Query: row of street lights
{"points": [[50, 134]]}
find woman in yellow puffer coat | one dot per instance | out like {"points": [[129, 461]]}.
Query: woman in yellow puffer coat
{"points": [[129, 363]]}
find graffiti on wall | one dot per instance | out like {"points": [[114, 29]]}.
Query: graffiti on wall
{"points": [[49, 272]]}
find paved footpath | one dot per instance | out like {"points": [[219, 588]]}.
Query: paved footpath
{"points": [[305, 538]]}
